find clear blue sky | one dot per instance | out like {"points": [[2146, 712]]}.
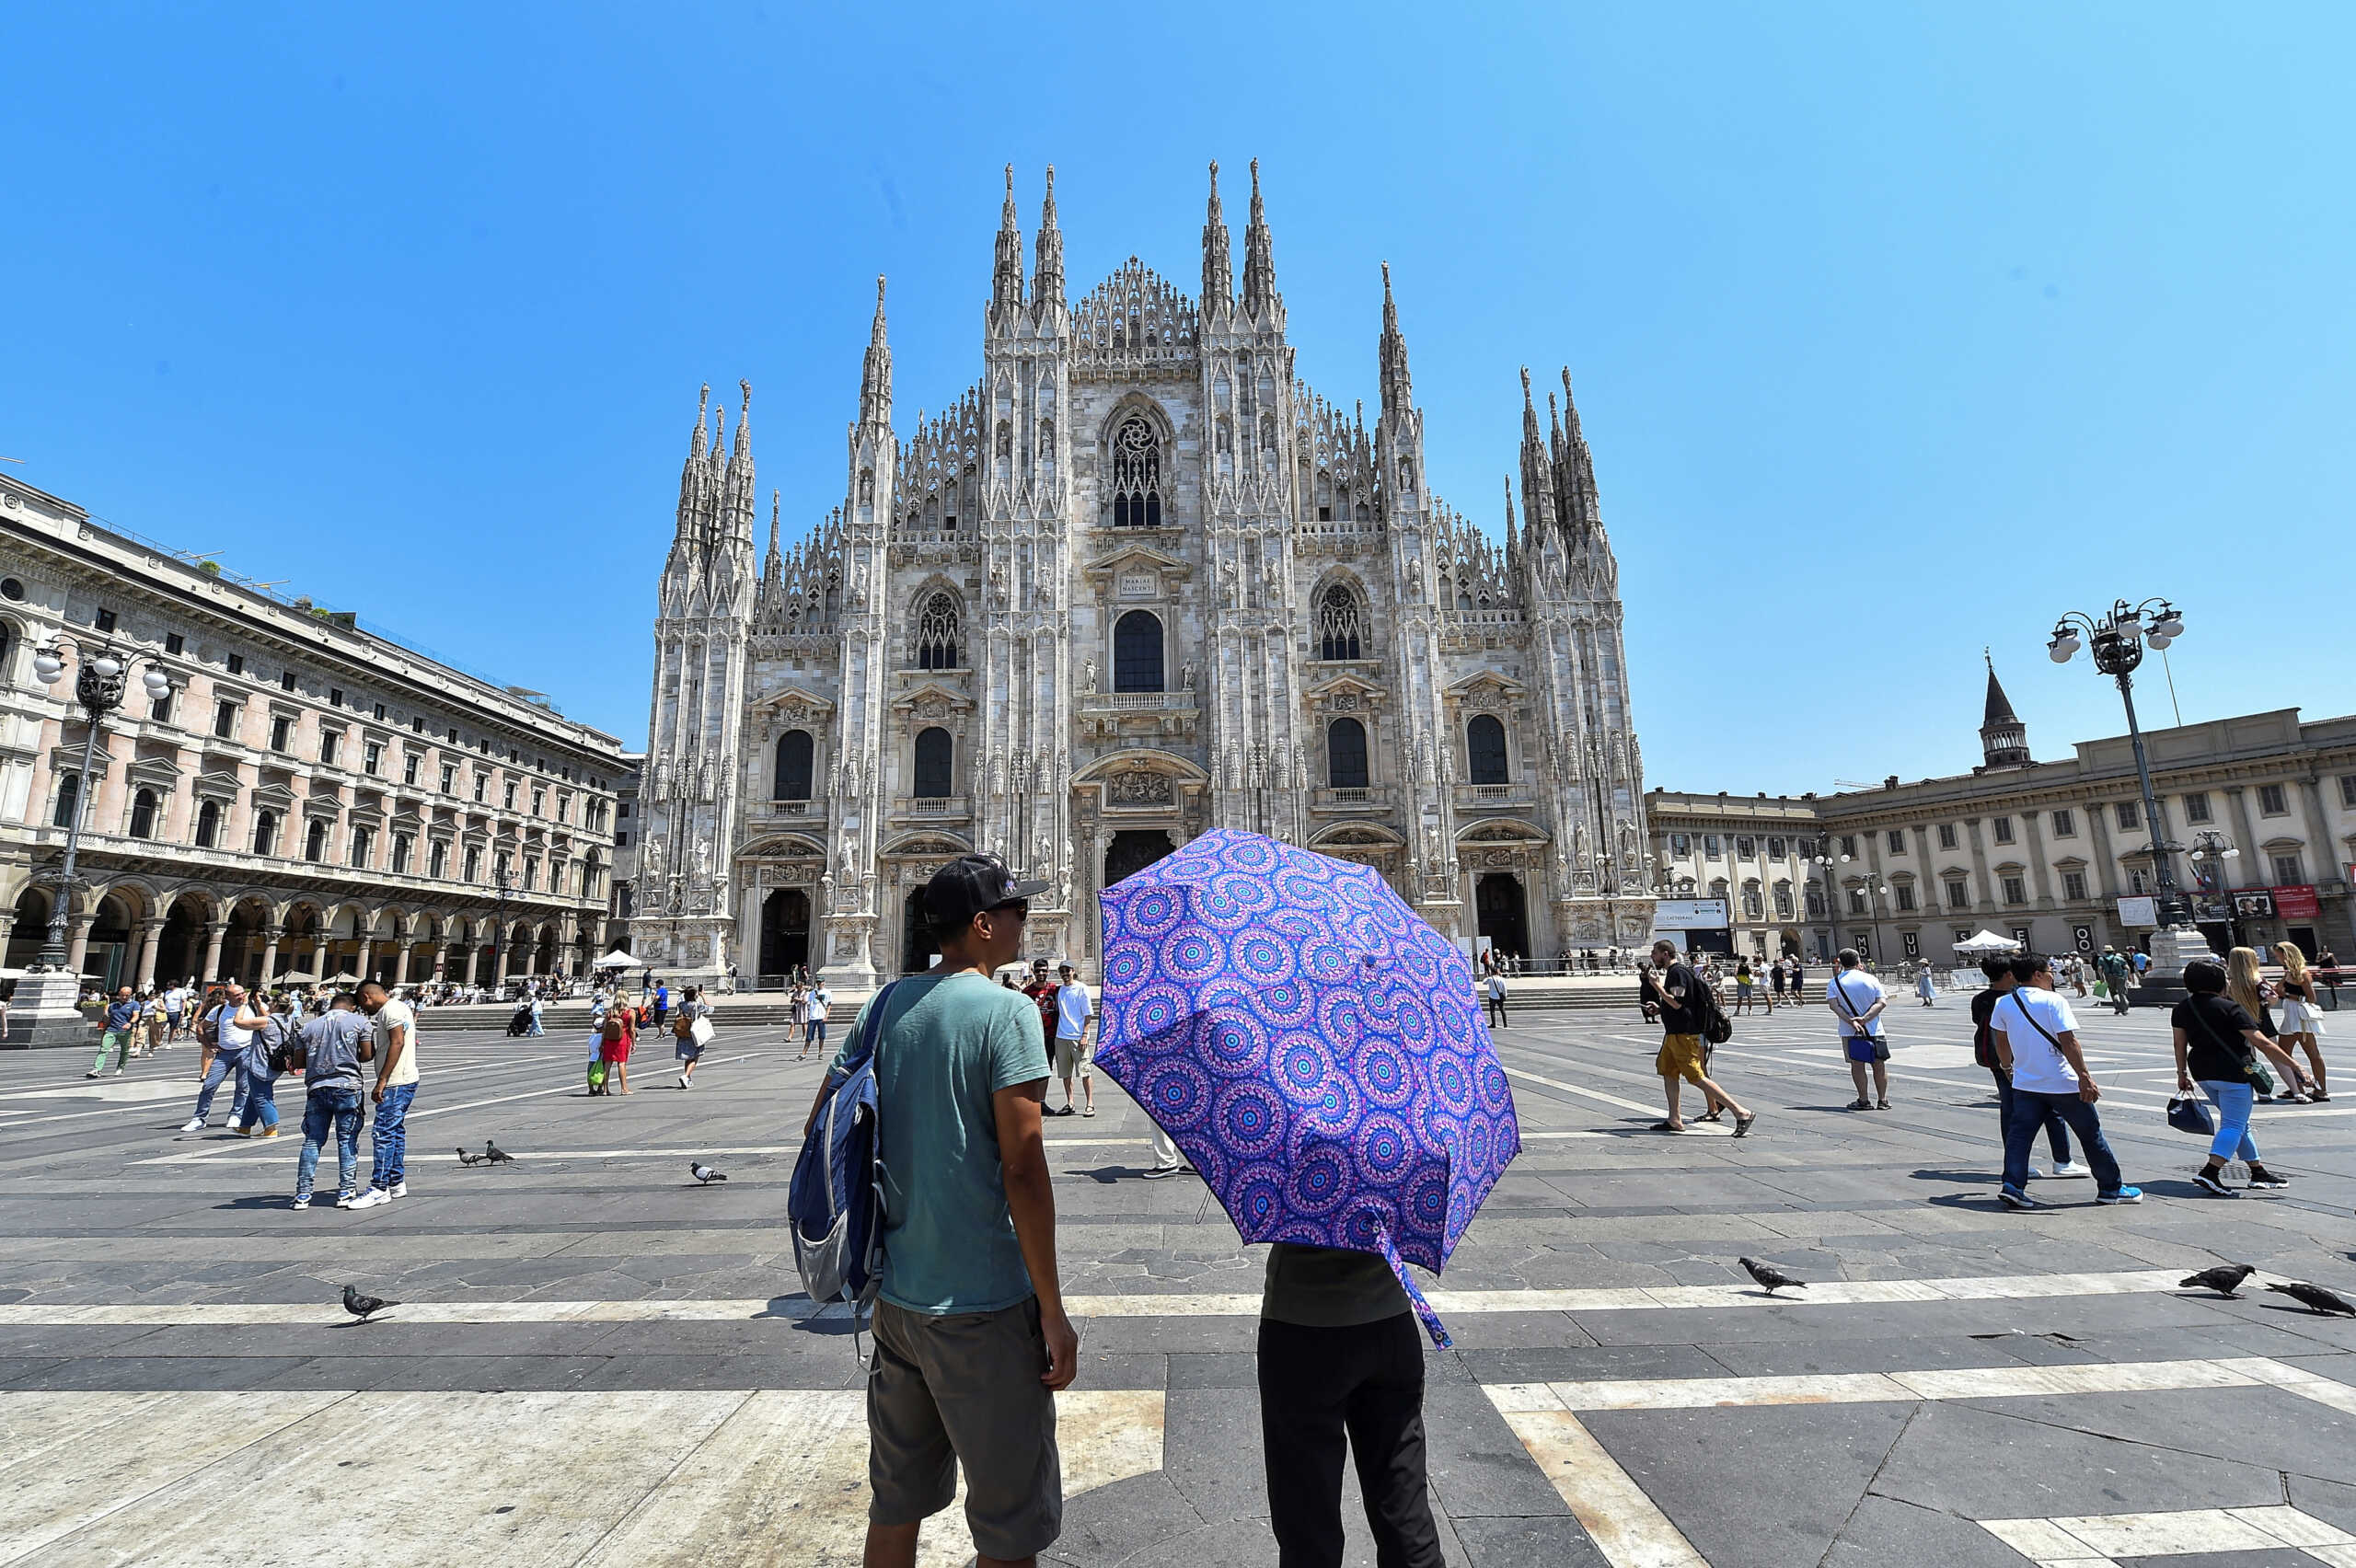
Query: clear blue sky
{"points": [[1894, 332]]}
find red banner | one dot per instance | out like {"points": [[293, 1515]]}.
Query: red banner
{"points": [[2297, 904]]}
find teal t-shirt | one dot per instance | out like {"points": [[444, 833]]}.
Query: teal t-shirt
{"points": [[948, 1044]]}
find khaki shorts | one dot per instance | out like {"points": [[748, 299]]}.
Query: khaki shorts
{"points": [[964, 1389], [1681, 1056], [1075, 1057]]}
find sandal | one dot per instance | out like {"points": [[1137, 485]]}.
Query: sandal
{"points": [[1883, 1106], [1717, 1115], [1665, 1127]]}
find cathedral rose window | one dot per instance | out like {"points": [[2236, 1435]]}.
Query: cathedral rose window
{"points": [[1137, 476]]}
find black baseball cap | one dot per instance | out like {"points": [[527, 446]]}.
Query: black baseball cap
{"points": [[971, 883]]}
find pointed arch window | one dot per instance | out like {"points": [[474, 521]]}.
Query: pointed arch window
{"points": [[1340, 624], [937, 633], [1137, 652], [1345, 755], [1137, 476], [795, 755], [935, 754], [1485, 741]]}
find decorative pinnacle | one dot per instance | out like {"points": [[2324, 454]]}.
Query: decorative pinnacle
{"points": [[1525, 390], [1048, 211], [876, 335], [703, 413]]}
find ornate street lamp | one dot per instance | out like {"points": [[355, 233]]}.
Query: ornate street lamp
{"points": [[2118, 637], [99, 686], [2209, 851]]}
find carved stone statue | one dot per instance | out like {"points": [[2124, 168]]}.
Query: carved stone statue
{"points": [[1087, 676], [1186, 677]]}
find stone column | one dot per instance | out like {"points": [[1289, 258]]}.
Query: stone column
{"points": [[269, 935], [499, 970], [214, 931], [78, 951], [151, 932], [401, 961], [367, 952], [474, 953]]}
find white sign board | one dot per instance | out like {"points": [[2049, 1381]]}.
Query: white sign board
{"points": [[1690, 915], [2139, 911]]}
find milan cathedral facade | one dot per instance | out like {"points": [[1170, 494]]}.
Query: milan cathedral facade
{"points": [[1136, 582]]}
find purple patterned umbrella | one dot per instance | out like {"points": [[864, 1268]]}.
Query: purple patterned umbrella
{"points": [[1311, 1044]]}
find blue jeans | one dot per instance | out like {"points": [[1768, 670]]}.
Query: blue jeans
{"points": [[2029, 1114], [226, 1064], [2057, 1135], [536, 1029], [815, 1032], [2232, 1102], [386, 1168], [257, 1095], [341, 1107]]}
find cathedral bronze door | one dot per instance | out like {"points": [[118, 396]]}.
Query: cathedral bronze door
{"points": [[918, 949], [1498, 902], [1132, 852], [785, 934]]}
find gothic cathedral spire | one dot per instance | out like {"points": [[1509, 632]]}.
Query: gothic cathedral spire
{"points": [[1048, 278], [1259, 263], [1398, 392], [1219, 271], [1005, 277], [875, 373]]}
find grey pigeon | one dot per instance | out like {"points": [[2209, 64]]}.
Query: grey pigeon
{"points": [[361, 1306], [705, 1174], [2225, 1279], [2314, 1296], [495, 1154], [1770, 1277], [465, 1158]]}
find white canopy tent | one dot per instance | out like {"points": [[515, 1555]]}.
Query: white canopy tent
{"points": [[1985, 943], [617, 960]]}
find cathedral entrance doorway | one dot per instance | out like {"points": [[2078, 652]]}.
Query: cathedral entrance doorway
{"points": [[918, 949], [785, 934], [1498, 902], [1133, 852]]}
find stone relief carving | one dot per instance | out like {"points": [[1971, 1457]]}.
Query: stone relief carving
{"points": [[1140, 788]]}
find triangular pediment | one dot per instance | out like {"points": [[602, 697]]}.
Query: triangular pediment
{"points": [[1358, 685], [796, 701], [1486, 685], [1139, 557], [933, 700]]}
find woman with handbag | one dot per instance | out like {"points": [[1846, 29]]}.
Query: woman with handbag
{"points": [[691, 1027], [615, 1036], [2246, 985], [2219, 1046], [2302, 1018]]}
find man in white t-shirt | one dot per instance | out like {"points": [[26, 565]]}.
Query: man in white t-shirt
{"points": [[176, 1003], [815, 1032], [396, 1026], [234, 1022], [2037, 1037], [1073, 1052], [1857, 1000]]}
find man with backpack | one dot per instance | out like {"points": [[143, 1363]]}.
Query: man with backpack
{"points": [[970, 1339], [1675, 996], [2114, 979]]}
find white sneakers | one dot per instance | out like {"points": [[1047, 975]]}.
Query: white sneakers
{"points": [[372, 1198], [397, 1190], [345, 1200], [2071, 1168], [193, 1124]]}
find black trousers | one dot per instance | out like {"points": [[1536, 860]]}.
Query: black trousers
{"points": [[1318, 1386], [1497, 1012]]}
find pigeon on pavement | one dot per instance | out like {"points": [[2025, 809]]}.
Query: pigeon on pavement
{"points": [[2225, 1279], [495, 1154], [1768, 1274], [705, 1174], [361, 1306], [2314, 1296], [465, 1158]]}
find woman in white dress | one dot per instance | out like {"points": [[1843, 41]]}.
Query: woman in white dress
{"points": [[2301, 1020]]}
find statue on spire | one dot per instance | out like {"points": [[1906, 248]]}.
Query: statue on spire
{"points": [[1006, 276], [1259, 262], [1049, 278], [1219, 271]]}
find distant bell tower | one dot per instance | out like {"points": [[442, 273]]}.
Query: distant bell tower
{"points": [[2004, 739]]}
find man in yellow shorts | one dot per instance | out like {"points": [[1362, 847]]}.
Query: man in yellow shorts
{"points": [[1674, 995]]}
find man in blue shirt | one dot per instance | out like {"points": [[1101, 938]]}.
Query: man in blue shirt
{"points": [[970, 1339], [334, 1044], [122, 1019]]}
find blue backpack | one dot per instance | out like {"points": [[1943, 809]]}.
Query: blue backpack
{"points": [[835, 1200]]}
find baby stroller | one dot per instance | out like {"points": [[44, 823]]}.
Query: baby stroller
{"points": [[522, 1023]]}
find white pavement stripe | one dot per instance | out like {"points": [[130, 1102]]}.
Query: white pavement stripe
{"points": [[2014, 1381], [1631, 1298], [712, 1479], [1626, 1526], [2103, 1538]]}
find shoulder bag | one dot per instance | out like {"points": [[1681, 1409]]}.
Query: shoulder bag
{"points": [[1865, 1045], [2260, 1076]]}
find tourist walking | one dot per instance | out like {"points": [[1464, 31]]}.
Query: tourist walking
{"points": [[1341, 1371], [2247, 986], [1857, 1000], [661, 1003], [689, 1031], [535, 1027], [1999, 972], [2114, 973], [615, 1037], [1672, 995], [176, 1005], [1800, 980], [232, 1021], [395, 1058], [2302, 1023], [333, 1044], [797, 1018], [970, 1339], [256, 1112], [117, 1033], [2217, 1047], [815, 1032], [1774, 985], [1042, 992], [1496, 987], [1073, 1052], [2036, 1039], [1742, 986], [1927, 988]]}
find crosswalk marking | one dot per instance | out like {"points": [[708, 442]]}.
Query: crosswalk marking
{"points": [[2104, 1538], [1941, 1383]]}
